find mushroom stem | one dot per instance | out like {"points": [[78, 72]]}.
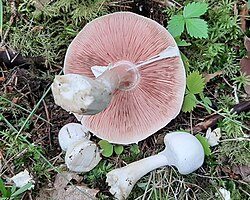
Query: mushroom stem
{"points": [[183, 151], [85, 96], [122, 180]]}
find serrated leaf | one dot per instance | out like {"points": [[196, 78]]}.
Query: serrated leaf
{"points": [[107, 148], [195, 83], [181, 43], [197, 28], [204, 144], [195, 9], [118, 149], [189, 103], [176, 25]]}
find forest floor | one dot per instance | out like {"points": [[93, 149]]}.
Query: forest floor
{"points": [[35, 37]]}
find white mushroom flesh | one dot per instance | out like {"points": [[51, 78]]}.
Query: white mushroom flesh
{"points": [[183, 151], [80, 94]]}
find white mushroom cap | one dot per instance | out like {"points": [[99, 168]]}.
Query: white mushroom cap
{"points": [[71, 133], [82, 156]]}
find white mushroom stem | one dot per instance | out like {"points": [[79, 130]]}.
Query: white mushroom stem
{"points": [[183, 151], [85, 96]]}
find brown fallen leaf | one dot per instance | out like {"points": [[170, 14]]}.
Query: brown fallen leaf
{"points": [[243, 171], [62, 190], [208, 77], [245, 64]]}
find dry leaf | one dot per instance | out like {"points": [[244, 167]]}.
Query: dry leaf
{"points": [[245, 63], [243, 171], [64, 191], [208, 77]]}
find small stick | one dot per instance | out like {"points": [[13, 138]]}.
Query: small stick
{"points": [[211, 121]]}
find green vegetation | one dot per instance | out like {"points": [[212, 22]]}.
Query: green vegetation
{"points": [[210, 39], [195, 26]]}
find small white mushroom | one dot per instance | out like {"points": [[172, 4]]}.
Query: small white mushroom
{"points": [[82, 156], [71, 133], [183, 151]]}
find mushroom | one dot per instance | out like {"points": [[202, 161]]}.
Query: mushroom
{"points": [[82, 155], [71, 133], [183, 150], [140, 81]]}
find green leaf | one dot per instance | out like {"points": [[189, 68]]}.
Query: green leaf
{"points": [[205, 144], [189, 103], [195, 9], [185, 62], [22, 189], [248, 4], [2, 188], [176, 25], [107, 148], [181, 43], [134, 149], [197, 28], [118, 149], [195, 83]]}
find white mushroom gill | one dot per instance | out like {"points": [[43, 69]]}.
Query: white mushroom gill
{"points": [[183, 151]]}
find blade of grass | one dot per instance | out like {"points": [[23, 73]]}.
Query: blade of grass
{"points": [[1, 18], [7, 100], [2, 188], [22, 189]]}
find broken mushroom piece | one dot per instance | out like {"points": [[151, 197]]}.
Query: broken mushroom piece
{"points": [[139, 91], [71, 133], [183, 150], [82, 156]]}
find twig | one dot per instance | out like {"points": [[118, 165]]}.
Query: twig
{"points": [[211, 121], [13, 7]]}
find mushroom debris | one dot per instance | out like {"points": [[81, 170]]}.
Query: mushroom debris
{"points": [[124, 78], [82, 155], [183, 151]]}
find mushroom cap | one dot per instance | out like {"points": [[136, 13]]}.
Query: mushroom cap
{"points": [[134, 114], [71, 133]]}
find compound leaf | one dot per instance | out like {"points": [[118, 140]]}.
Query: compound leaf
{"points": [[176, 25], [197, 28], [195, 9]]}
